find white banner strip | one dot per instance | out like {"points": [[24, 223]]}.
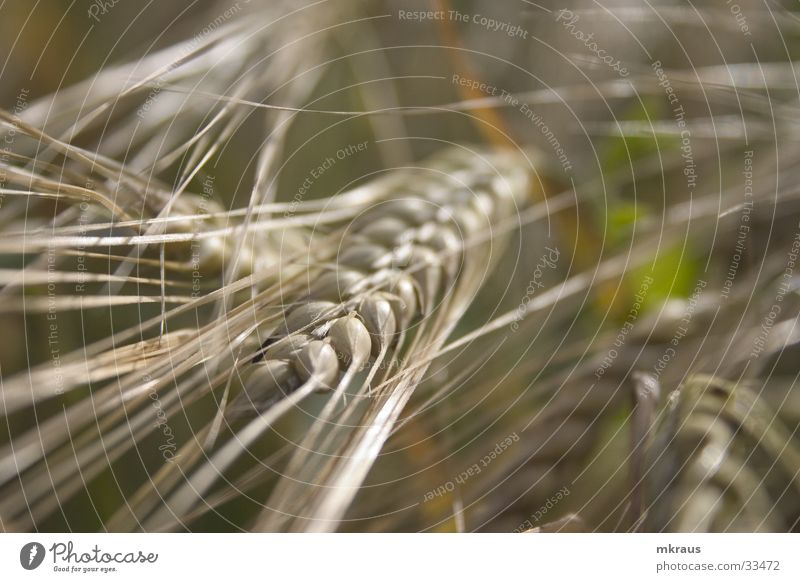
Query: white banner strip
{"points": [[390, 557]]}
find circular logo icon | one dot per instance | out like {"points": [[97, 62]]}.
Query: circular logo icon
{"points": [[31, 555]]}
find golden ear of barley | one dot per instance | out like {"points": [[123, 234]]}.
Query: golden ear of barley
{"points": [[361, 324], [399, 283]]}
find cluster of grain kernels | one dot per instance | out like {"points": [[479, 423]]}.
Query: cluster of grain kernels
{"points": [[723, 461], [397, 260]]}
